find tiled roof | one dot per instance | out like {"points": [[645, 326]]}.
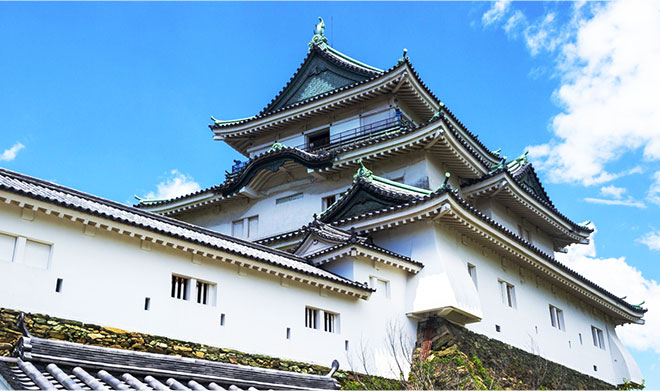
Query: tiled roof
{"points": [[365, 245], [388, 190], [50, 365], [308, 159], [453, 194], [69, 198], [518, 173]]}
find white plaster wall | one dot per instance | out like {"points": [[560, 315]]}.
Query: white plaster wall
{"points": [[444, 251], [107, 277]]}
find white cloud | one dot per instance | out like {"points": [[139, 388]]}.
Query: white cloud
{"points": [[612, 191], [609, 92], [496, 12], [615, 197], [175, 185], [651, 240], [10, 154], [618, 277], [627, 202], [654, 191]]}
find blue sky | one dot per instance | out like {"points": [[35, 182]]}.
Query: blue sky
{"points": [[115, 98]]}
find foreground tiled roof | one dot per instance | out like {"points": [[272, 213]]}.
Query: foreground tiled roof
{"points": [[52, 193], [49, 365]]}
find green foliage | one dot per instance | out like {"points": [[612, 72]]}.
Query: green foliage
{"points": [[628, 385]]}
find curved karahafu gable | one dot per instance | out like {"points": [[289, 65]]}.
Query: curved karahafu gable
{"points": [[272, 160]]}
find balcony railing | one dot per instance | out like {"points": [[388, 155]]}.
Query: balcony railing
{"points": [[391, 125], [360, 134]]}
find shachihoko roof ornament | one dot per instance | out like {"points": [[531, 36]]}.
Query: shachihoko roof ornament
{"points": [[363, 172], [319, 35], [404, 56], [277, 145]]}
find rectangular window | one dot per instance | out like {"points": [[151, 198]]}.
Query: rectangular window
{"points": [[318, 140], [204, 292], [597, 335], [524, 233], [329, 320], [382, 287], [327, 201], [557, 318], [508, 294], [472, 271], [292, 197], [253, 227], [311, 318], [180, 287], [58, 285], [580, 335], [147, 304], [222, 319], [36, 254], [237, 228], [288, 333], [7, 244]]}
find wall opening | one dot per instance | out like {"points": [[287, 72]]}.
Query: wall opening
{"points": [[222, 319], [147, 303], [288, 333], [58, 285]]}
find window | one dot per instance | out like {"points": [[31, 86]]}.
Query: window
{"points": [[472, 271], [508, 294], [58, 285], [180, 287], [346, 345], [597, 335], [36, 254], [203, 292], [288, 198], [7, 244], [580, 335], [557, 318], [222, 319], [382, 287], [147, 304], [329, 322], [245, 228], [498, 328], [288, 333], [318, 139], [311, 318], [237, 228], [524, 233], [327, 201]]}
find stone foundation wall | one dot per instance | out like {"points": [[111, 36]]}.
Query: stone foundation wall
{"points": [[45, 326], [451, 357]]}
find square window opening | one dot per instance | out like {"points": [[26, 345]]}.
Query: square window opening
{"points": [[498, 328], [311, 318], [508, 294], [318, 140], [472, 271], [180, 287]]}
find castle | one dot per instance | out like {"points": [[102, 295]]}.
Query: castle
{"points": [[364, 207]]}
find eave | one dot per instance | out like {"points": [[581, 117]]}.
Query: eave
{"points": [[434, 137], [447, 208], [238, 135], [505, 188], [94, 213], [371, 253]]}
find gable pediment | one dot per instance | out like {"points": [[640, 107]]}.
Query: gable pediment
{"points": [[360, 201], [316, 76]]}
